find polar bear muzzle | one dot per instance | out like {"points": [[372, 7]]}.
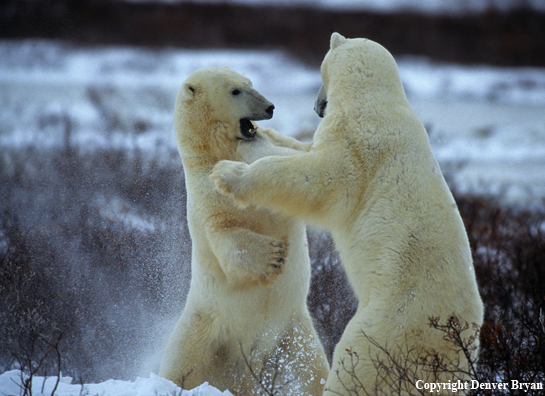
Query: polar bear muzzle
{"points": [[321, 102], [248, 128]]}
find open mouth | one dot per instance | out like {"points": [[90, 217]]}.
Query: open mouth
{"points": [[247, 129]]}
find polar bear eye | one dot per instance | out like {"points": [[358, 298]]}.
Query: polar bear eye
{"points": [[235, 92]]}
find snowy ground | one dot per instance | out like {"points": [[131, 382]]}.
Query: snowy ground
{"points": [[486, 124], [11, 384]]}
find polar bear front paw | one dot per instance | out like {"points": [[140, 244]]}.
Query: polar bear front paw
{"points": [[276, 258], [226, 175], [278, 254]]}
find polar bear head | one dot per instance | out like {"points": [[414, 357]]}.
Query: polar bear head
{"points": [[358, 69], [215, 96]]}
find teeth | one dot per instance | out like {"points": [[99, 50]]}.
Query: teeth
{"points": [[247, 128]]}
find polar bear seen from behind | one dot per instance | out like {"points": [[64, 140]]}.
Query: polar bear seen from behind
{"points": [[250, 267], [371, 179]]}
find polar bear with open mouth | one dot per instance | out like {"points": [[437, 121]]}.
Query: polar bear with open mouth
{"points": [[250, 266]]}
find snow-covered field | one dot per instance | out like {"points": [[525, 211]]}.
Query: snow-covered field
{"points": [[11, 384], [486, 124]]}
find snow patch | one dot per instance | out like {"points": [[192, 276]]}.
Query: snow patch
{"points": [[11, 383]]}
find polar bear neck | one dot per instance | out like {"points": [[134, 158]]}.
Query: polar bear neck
{"points": [[203, 142], [201, 152]]}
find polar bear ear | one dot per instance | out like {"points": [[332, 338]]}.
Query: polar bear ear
{"points": [[336, 40], [188, 90]]}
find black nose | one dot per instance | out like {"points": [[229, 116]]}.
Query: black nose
{"points": [[270, 110]]}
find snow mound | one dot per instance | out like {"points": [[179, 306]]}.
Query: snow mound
{"points": [[11, 384]]}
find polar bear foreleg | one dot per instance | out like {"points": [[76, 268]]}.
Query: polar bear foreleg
{"points": [[267, 143], [296, 185], [285, 141], [246, 257]]}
